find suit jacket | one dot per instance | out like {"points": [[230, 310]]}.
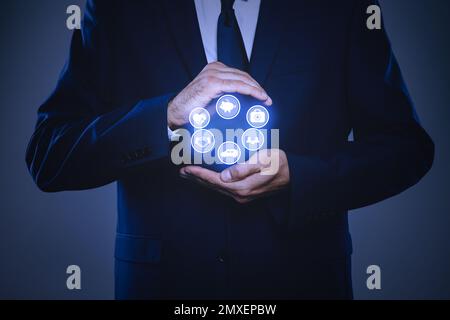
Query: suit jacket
{"points": [[327, 74]]}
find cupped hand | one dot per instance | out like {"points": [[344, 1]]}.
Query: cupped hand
{"points": [[214, 80], [265, 173]]}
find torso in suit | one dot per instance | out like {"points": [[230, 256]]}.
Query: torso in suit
{"points": [[327, 75]]}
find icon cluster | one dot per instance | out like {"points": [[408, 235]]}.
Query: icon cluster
{"points": [[228, 107]]}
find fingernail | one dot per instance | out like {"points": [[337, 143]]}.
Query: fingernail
{"points": [[226, 176]]}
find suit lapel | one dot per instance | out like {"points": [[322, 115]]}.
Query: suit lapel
{"points": [[183, 23], [268, 33]]}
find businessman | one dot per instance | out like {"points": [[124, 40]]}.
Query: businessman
{"points": [[135, 71]]}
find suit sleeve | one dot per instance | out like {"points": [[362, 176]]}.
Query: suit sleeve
{"points": [[80, 141], [390, 152]]}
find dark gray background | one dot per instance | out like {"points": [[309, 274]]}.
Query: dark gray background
{"points": [[41, 234]]}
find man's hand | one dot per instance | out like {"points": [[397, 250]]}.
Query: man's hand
{"points": [[215, 79], [265, 173]]}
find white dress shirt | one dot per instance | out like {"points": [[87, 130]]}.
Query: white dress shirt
{"points": [[208, 12]]}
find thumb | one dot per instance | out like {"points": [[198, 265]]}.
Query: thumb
{"points": [[239, 172]]}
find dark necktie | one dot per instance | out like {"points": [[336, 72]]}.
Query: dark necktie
{"points": [[230, 46]]}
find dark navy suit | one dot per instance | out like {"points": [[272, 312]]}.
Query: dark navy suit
{"points": [[327, 74]]}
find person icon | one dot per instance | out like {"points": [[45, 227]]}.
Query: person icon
{"points": [[252, 139]]}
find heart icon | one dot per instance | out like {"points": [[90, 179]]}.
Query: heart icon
{"points": [[199, 118]]}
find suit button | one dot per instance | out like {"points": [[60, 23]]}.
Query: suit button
{"points": [[146, 152], [222, 258], [125, 159], [131, 156], [139, 154]]}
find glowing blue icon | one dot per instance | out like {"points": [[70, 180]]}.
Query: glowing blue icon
{"points": [[228, 107], [203, 141], [199, 118], [252, 139], [229, 153], [257, 116]]}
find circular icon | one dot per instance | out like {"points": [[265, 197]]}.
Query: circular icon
{"points": [[203, 141], [229, 153], [199, 118], [228, 107], [252, 139], [257, 116]]}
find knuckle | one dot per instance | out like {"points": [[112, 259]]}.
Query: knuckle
{"points": [[209, 78], [216, 81], [214, 64], [243, 193], [202, 83], [239, 85], [209, 72], [221, 83]]}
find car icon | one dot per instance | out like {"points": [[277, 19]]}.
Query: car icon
{"points": [[230, 153]]}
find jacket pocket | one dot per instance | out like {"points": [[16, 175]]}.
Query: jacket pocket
{"points": [[139, 249]]}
